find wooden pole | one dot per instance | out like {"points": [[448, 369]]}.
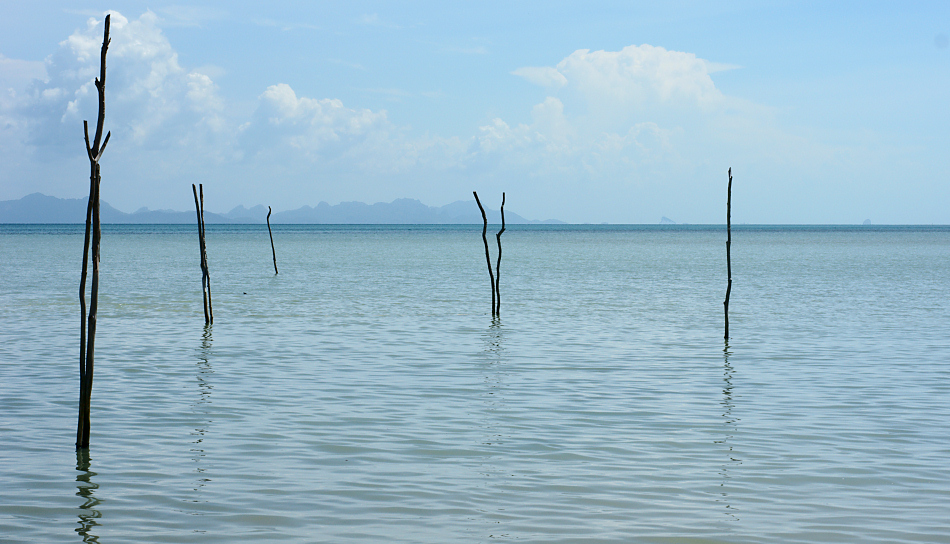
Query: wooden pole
{"points": [[498, 264], [205, 276], [728, 251], [204, 253], [82, 424], [87, 342], [201, 243], [491, 275], [272, 250]]}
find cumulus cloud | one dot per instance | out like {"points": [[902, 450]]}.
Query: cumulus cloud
{"points": [[617, 112], [151, 99], [635, 75], [621, 115], [314, 127], [549, 132], [640, 80], [608, 121], [610, 91], [324, 132], [553, 145], [644, 121]]}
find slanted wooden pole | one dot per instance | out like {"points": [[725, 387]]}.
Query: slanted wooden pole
{"points": [[491, 275], [272, 250], [205, 275], [728, 251], [201, 244], [87, 342], [204, 253], [498, 264]]}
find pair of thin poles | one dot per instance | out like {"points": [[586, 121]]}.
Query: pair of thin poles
{"points": [[494, 278], [205, 276]]}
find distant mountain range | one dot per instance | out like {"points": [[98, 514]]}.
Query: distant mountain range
{"points": [[39, 208]]}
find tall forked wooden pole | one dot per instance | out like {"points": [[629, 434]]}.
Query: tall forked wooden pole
{"points": [[491, 275], [728, 252], [87, 344]]}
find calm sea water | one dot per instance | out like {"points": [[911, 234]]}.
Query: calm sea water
{"points": [[365, 394]]}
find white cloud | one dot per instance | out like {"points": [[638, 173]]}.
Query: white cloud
{"points": [[636, 78], [151, 99], [552, 145], [325, 133], [639, 121], [625, 116], [549, 133], [315, 127], [618, 113]]}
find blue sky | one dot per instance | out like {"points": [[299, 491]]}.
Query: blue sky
{"points": [[618, 112]]}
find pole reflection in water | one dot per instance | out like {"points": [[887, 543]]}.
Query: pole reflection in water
{"points": [[731, 424], [494, 380], [200, 408], [88, 514], [494, 438]]}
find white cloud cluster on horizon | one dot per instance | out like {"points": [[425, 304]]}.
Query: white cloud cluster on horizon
{"points": [[643, 116]]}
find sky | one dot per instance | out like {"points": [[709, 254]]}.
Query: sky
{"points": [[619, 112]]}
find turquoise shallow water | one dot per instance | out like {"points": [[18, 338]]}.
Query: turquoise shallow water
{"points": [[366, 395]]}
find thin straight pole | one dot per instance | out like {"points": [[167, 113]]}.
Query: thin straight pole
{"points": [[201, 248], [498, 264], [272, 250], [728, 252], [491, 275]]}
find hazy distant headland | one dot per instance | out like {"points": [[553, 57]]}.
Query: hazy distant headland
{"points": [[40, 208]]}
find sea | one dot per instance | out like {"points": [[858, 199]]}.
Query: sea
{"points": [[366, 393]]}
